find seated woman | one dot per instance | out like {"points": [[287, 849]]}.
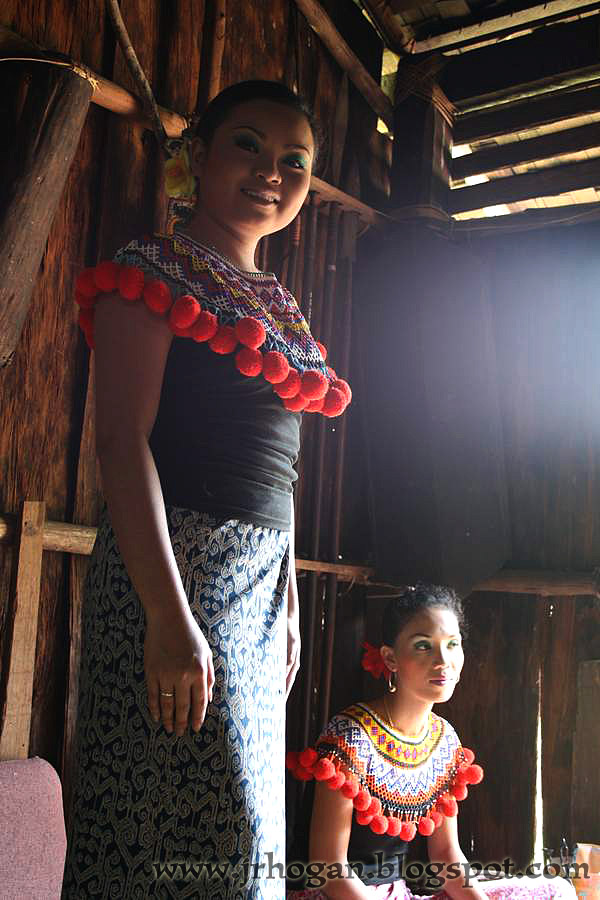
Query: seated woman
{"points": [[390, 769]]}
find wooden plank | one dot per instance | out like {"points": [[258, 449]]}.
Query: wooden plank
{"points": [[346, 58], [585, 810], [545, 183], [328, 193], [574, 214], [510, 118], [501, 26], [517, 153], [14, 740], [559, 81], [395, 34]]}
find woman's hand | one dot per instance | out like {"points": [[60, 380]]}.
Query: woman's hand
{"points": [[177, 660]]}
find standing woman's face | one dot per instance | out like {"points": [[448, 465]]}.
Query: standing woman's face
{"points": [[254, 176]]}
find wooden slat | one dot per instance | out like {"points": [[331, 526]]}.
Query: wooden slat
{"points": [[585, 821], [529, 219], [320, 22], [561, 80], [519, 152], [545, 183], [14, 741], [509, 118], [501, 26]]}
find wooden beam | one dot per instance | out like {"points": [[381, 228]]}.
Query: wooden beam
{"points": [[528, 219], [327, 193], [396, 35], [517, 153], [545, 183], [14, 740], [543, 583], [320, 22], [510, 118], [501, 26]]}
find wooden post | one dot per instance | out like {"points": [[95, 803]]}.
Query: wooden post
{"points": [[46, 140], [585, 820], [14, 740], [423, 128]]}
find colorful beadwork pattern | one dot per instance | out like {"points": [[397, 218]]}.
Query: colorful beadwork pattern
{"points": [[397, 785]]}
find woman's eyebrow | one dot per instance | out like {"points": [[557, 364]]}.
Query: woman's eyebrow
{"points": [[264, 137]]}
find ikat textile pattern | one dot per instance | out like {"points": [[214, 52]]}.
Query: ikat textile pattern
{"points": [[406, 776], [145, 800], [229, 293]]}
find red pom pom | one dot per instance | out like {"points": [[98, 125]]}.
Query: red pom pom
{"points": [[379, 824], [474, 774], [224, 340], [205, 326], [315, 406], [364, 818], [343, 386], [460, 791], [250, 332], [336, 782], [106, 276], [324, 770], [375, 806], [447, 804], [185, 311], [408, 831], [303, 774], [437, 817], [290, 387], [276, 368], [334, 403], [291, 759], [426, 826], [84, 301], [308, 757], [85, 283], [131, 282], [249, 362], [314, 384], [296, 404], [350, 788], [468, 755], [322, 350], [394, 826], [157, 296], [362, 801]]}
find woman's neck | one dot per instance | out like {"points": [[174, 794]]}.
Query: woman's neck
{"points": [[239, 249], [407, 715]]}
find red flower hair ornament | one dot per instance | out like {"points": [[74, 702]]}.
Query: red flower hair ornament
{"points": [[372, 662]]}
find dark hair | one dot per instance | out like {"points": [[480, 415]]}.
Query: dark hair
{"points": [[221, 106], [403, 607]]}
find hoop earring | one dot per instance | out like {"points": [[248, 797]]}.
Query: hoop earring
{"points": [[390, 682]]}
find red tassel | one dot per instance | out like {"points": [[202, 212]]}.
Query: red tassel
{"points": [[308, 758], [468, 755], [447, 804], [249, 362], [85, 283], [250, 332], [290, 387], [322, 350], [315, 406], [408, 831], [224, 340], [106, 276], [157, 296], [344, 387], [474, 774], [379, 824], [276, 368], [375, 806], [314, 384], [350, 788], [336, 782], [362, 801], [205, 326], [460, 791], [334, 403], [426, 826], [394, 826], [324, 769], [291, 759], [296, 404], [185, 311], [364, 818], [131, 282]]}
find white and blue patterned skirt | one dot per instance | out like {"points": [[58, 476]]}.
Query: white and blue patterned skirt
{"points": [[202, 815]]}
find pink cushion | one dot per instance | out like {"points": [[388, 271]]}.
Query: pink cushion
{"points": [[33, 842]]}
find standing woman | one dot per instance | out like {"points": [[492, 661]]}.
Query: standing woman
{"points": [[191, 636]]}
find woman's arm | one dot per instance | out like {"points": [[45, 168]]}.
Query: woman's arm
{"points": [[330, 827], [443, 847], [131, 348], [293, 614]]}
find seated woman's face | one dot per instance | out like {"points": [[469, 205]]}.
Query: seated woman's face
{"points": [[429, 655], [255, 174]]}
